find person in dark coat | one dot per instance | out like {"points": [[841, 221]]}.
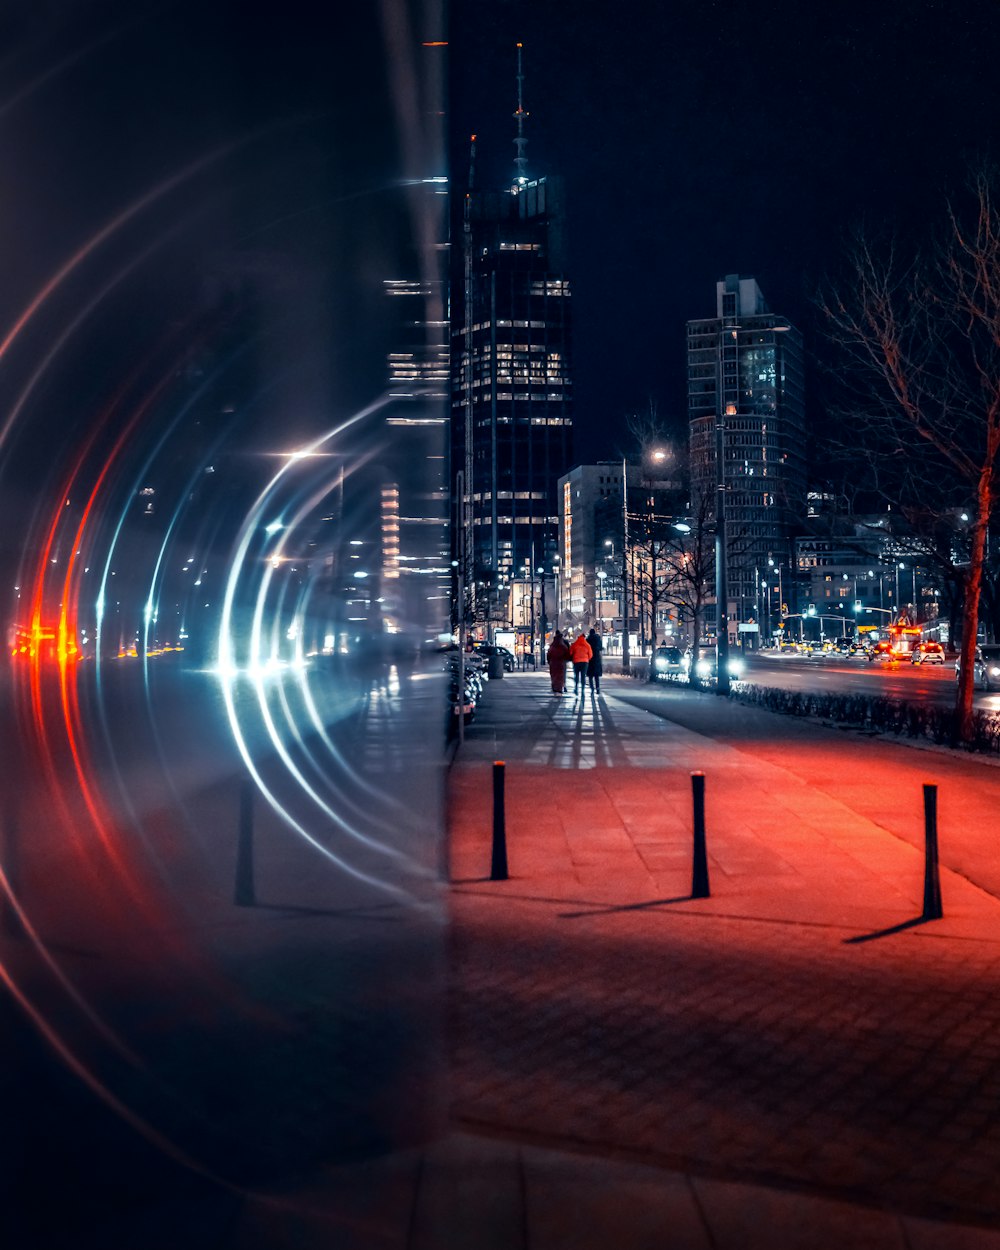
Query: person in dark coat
{"points": [[557, 656], [595, 665]]}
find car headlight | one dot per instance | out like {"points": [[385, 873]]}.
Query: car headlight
{"points": [[703, 668], [735, 667], [995, 672], [660, 663]]}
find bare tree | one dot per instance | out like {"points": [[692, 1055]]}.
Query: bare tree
{"points": [[921, 341], [689, 558], [648, 525]]}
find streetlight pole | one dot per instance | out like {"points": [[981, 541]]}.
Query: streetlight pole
{"points": [[531, 606], [657, 456], [781, 589], [721, 589], [460, 597], [625, 605], [541, 641]]}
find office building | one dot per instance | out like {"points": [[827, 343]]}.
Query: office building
{"points": [[591, 548], [744, 369], [618, 540], [511, 382], [415, 564]]}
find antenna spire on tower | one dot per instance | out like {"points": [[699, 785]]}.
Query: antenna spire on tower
{"points": [[520, 142]]}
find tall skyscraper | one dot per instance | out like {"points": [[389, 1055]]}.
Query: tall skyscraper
{"points": [[511, 387], [744, 369], [414, 499]]}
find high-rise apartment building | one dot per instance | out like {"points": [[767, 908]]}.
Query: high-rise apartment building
{"points": [[511, 385], [744, 370]]}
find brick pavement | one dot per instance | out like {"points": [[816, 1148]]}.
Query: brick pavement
{"points": [[796, 1031], [629, 1068]]}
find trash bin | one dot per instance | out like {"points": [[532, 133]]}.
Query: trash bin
{"points": [[494, 666]]}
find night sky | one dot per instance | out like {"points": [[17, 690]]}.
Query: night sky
{"points": [[157, 154], [700, 139], [696, 140]]}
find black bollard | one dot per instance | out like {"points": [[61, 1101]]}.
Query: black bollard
{"points": [[699, 871], [498, 867], [245, 895], [932, 880]]}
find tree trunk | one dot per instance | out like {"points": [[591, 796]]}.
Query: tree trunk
{"points": [[970, 614]]}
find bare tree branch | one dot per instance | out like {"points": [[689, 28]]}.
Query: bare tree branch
{"points": [[919, 347]]}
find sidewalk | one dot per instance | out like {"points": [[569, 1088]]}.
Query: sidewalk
{"points": [[795, 1061], [579, 1057]]}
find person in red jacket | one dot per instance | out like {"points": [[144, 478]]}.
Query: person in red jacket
{"points": [[557, 656], [580, 652]]}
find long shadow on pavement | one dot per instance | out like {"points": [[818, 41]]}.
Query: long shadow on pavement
{"points": [[881, 933]]}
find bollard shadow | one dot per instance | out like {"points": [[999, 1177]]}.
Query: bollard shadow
{"points": [[622, 907], [373, 911], [896, 928]]}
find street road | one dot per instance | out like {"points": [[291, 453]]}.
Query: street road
{"points": [[905, 681]]}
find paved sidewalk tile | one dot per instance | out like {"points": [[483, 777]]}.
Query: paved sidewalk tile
{"points": [[800, 1028]]}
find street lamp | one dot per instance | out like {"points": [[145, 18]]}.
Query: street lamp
{"points": [[780, 588], [625, 620], [544, 620], [529, 577], [658, 456], [721, 588], [723, 409]]}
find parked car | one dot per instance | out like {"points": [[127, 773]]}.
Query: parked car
{"points": [[487, 649], [667, 662], [927, 653]]}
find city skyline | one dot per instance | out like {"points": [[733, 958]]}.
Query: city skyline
{"points": [[714, 139]]}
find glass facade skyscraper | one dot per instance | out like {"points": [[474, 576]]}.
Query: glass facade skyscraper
{"points": [[511, 385], [744, 368]]}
